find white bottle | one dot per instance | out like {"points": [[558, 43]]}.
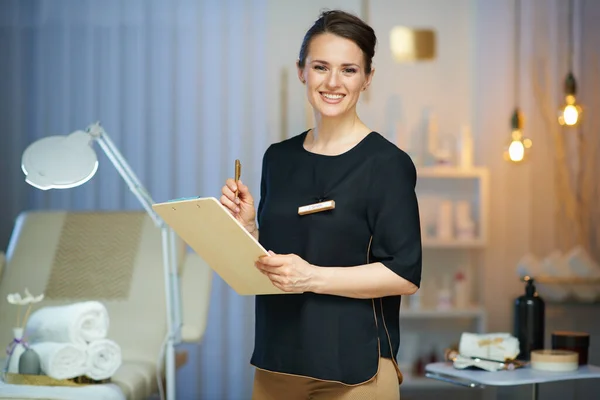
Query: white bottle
{"points": [[461, 291]]}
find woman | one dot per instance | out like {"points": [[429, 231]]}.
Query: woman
{"points": [[349, 263]]}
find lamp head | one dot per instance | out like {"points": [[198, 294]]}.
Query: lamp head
{"points": [[60, 162]]}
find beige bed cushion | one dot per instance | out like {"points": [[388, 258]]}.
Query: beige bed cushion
{"points": [[2, 261], [137, 380], [138, 318]]}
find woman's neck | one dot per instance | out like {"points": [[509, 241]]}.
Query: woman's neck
{"points": [[335, 135]]}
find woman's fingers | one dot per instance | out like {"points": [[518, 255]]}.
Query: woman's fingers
{"points": [[230, 183], [229, 192], [229, 204]]}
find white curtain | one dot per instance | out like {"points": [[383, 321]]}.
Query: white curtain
{"points": [[179, 85]]}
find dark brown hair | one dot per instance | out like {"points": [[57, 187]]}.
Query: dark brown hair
{"points": [[346, 25]]}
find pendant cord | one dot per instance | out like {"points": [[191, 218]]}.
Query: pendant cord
{"points": [[517, 49], [571, 38]]}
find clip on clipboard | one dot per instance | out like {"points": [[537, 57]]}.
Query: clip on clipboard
{"points": [[220, 240]]}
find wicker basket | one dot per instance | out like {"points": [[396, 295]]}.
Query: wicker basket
{"points": [[45, 380]]}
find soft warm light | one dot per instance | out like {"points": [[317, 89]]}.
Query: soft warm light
{"points": [[569, 115], [516, 151], [518, 147]]}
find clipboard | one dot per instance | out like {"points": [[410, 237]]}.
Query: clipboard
{"points": [[220, 240]]}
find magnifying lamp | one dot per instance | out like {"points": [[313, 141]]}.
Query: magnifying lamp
{"points": [[60, 162], [63, 162]]}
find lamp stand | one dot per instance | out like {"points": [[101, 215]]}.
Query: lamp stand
{"points": [[171, 278]]}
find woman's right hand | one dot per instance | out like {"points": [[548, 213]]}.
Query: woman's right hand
{"points": [[242, 207]]}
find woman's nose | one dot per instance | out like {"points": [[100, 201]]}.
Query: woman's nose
{"points": [[333, 80]]}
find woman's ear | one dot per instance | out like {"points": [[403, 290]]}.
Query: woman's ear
{"points": [[369, 79], [300, 72]]}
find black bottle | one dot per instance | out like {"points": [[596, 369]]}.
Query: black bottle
{"points": [[529, 321]]}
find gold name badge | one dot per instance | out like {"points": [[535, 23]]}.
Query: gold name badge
{"points": [[316, 207]]}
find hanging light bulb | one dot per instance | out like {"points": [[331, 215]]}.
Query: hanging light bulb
{"points": [[519, 145], [570, 113]]}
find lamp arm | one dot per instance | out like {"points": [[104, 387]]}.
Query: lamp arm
{"points": [[117, 159]]}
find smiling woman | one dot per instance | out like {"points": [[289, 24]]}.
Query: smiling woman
{"points": [[352, 257]]}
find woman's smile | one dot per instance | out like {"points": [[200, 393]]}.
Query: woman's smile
{"points": [[332, 98]]}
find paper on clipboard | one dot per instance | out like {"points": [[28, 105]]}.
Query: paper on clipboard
{"points": [[220, 240]]}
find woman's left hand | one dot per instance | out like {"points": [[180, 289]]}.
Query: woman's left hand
{"points": [[288, 272]]}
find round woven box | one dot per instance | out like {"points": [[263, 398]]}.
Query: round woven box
{"points": [[554, 360]]}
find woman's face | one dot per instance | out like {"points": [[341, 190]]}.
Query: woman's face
{"points": [[334, 74]]}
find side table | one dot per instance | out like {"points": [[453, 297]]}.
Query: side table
{"points": [[477, 378]]}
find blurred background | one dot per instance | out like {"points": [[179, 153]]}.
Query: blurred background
{"points": [[184, 87]]}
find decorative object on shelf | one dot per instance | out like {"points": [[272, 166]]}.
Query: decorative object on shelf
{"points": [[499, 346], [410, 45], [465, 148], [19, 345], [578, 342], [519, 145], [460, 361], [464, 224], [529, 320], [570, 113], [461, 291], [14, 350], [29, 363], [444, 228], [444, 295], [436, 150], [554, 360]]}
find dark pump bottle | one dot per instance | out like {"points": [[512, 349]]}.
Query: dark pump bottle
{"points": [[529, 321]]}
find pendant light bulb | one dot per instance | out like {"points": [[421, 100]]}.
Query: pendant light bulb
{"points": [[570, 113], [519, 146]]}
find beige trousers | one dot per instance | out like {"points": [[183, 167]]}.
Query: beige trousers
{"points": [[277, 386]]}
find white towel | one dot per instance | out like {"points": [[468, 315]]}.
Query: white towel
{"points": [[103, 359], [493, 346], [77, 323], [61, 360]]}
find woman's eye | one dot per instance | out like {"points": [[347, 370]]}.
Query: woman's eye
{"points": [[350, 70], [319, 68]]}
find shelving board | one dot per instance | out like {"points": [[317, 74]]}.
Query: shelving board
{"points": [[453, 243], [474, 312], [451, 172]]}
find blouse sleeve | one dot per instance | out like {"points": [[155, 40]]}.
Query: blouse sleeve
{"points": [[263, 186], [394, 217]]}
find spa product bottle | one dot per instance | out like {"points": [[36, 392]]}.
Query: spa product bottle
{"points": [[29, 363], [529, 321]]}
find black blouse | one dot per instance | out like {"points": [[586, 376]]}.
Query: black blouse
{"points": [[376, 219]]}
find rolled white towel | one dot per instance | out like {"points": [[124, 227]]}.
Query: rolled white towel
{"points": [[103, 359], [78, 323], [61, 360]]}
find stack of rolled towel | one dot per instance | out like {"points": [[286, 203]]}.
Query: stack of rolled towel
{"points": [[71, 341]]}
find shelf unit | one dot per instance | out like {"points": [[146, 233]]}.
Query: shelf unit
{"points": [[457, 184], [428, 327]]}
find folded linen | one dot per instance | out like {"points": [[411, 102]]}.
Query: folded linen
{"points": [[498, 346], [61, 360], [103, 359], [78, 323]]}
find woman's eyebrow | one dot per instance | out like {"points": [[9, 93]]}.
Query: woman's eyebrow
{"points": [[343, 65]]}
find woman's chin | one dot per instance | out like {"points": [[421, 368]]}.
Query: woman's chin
{"points": [[332, 112]]}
